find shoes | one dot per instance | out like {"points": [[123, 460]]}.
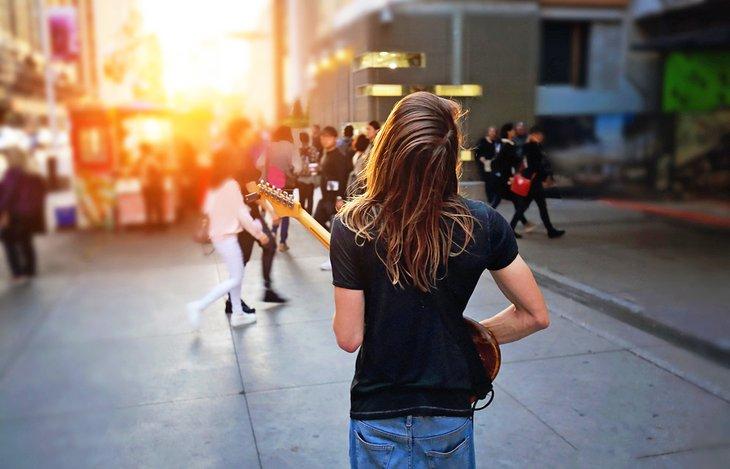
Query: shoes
{"points": [[517, 235], [283, 247], [246, 308], [529, 227], [238, 320], [326, 265], [555, 233], [272, 297], [194, 314], [19, 280]]}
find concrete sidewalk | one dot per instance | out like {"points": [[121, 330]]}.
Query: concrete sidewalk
{"points": [[658, 273], [98, 367]]}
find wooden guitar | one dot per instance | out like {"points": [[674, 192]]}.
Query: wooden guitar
{"points": [[285, 206]]}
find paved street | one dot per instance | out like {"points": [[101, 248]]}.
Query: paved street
{"points": [[98, 366], [670, 275]]}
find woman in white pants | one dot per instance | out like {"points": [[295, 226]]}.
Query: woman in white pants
{"points": [[227, 216]]}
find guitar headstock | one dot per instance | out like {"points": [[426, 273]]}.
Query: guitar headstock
{"points": [[283, 202]]}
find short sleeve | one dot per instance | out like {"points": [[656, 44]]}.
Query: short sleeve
{"points": [[344, 258], [502, 243]]}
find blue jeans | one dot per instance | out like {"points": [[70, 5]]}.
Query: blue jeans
{"points": [[284, 227], [412, 442]]}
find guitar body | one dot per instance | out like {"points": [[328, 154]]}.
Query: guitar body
{"points": [[285, 206]]}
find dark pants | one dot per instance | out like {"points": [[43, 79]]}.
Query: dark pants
{"points": [[490, 187], [503, 191], [325, 208], [19, 250], [537, 193], [154, 205], [306, 197], [246, 241]]}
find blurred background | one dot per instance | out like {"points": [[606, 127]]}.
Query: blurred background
{"points": [[634, 100]]}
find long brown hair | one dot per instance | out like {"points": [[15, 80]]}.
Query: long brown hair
{"points": [[411, 205]]}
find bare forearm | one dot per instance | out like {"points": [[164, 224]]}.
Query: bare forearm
{"points": [[512, 324]]}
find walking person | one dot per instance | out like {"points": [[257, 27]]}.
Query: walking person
{"points": [[486, 150], [308, 176], [334, 172], [227, 216], [355, 186], [153, 186], [504, 166], [279, 164], [22, 214], [344, 143], [539, 171], [244, 147], [406, 256]]}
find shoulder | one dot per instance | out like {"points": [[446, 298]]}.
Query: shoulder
{"points": [[231, 185], [483, 213]]}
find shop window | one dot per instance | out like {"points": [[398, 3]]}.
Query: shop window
{"points": [[564, 55]]}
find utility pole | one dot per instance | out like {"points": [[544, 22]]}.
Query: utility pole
{"points": [[50, 79], [278, 12]]}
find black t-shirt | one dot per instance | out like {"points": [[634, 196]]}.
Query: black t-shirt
{"points": [[412, 362]]}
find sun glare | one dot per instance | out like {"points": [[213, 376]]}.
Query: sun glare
{"points": [[200, 49]]}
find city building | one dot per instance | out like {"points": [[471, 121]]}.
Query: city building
{"points": [[569, 65], [23, 98]]}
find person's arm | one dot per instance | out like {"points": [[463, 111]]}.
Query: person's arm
{"points": [[348, 322], [527, 314], [244, 216]]}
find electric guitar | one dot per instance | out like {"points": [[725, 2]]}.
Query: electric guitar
{"points": [[285, 206]]}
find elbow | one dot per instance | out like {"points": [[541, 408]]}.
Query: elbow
{"points": [[542, 321], [350, 344]]}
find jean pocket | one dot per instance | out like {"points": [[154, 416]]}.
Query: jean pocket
{"points": [[371, 455], [458, 458]]}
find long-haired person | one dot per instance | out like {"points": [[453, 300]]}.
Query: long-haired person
{"points": [[227, 216], [406, 256]]}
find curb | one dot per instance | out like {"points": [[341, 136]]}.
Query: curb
{"points": [[630, 313]]}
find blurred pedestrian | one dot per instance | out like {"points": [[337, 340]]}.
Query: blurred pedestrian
{"points": [[504, 166], [279, 164], [153, 186], [22, 214], [371, 130], [539, 171], [486, 150], [344, 143], [520, 138], [227, 216], [335, 169], [244, 147], [316, 141], [355, 183], [308, 176]]}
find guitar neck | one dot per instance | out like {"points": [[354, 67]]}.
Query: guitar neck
{"points": [[322, 235]]}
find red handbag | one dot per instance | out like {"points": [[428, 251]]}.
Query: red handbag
{"points": [[520, 185]]}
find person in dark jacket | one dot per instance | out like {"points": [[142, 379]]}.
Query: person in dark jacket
{"points": [[22, 199], [539, 171], [485, 151], [334, 171], [504, 166]]}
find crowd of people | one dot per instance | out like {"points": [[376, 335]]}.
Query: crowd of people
{"points": [[516, 155], [329, 164], [323, 160]]}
